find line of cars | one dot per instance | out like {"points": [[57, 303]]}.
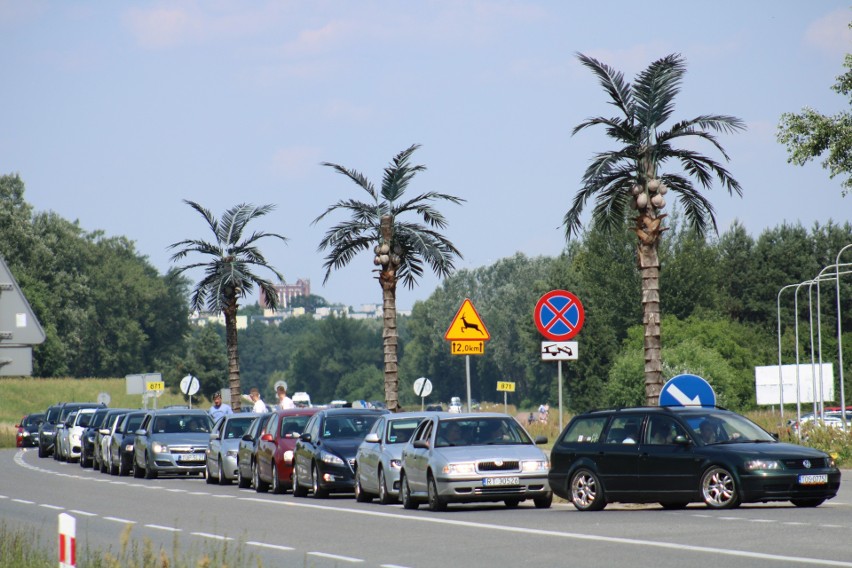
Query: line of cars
{"points": [[671, 456]]}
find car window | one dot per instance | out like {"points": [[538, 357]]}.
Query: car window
{"points": [[378, 428], [292, 426], [586, 429], [400, 431], [236, 427], [349, 426], [662, 430], [624, 429], [722, 427], [84, 419]]}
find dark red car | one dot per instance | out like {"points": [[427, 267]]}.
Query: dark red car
{"points": [[274, 455]]}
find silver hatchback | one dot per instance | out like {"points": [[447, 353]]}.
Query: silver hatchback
{"points": [[172, 441], [473, 457]]}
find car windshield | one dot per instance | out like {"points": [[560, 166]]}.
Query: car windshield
{"points": [[399, 431], [726, 427], [480, 432], [181, 423], [237, 427], [84, 419], [349, 426]]}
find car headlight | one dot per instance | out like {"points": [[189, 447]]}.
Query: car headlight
{"points": [[288, 457], [330, 458], [534, 465], [459, 469], [395, 464], [159, 448], [128, 447], [754, 465], [232, 453], [75, 439], [830, 462]]}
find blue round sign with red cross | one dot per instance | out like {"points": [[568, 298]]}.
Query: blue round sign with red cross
{"points": [[559, 315]]}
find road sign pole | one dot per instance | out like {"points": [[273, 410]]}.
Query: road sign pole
{"points": [[560, 396], [467, 372], [505, 403]]}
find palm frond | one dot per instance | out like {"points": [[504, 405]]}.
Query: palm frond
{"points": [[655, 90], [355, 176], [613, 83]]}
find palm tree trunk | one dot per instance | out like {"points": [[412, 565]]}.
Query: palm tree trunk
{"points": [[390, 337], [649, 266], [230, 312]]}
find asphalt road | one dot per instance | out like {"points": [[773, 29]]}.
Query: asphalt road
{"points": [[281, 530]]}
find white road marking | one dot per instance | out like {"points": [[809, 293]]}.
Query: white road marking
{"points": [[24, 501], [53, 507], [213, 536], [163, 528], [335, 557], [83, 513], [266, 545]]}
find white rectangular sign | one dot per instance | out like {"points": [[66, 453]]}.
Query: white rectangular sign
{"points": [[766, 383], [558, 350]]}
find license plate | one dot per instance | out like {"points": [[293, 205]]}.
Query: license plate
{"points": [[193, 458], [498, 481], [819, 479]]}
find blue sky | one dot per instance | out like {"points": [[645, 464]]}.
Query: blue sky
{"points": [[113, 112]]}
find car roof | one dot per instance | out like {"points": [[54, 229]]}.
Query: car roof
{"points": [[352, 411], [179, 411], [677, 410], [308, 411]]}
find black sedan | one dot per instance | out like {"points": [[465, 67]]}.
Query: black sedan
{"points": [[680, 455], [27, 434], [324, 458]]}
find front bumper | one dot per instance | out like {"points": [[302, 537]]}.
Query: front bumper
{"points": [[473, 488], [784, 486]]}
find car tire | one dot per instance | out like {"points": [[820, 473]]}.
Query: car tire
{"points": [[123, 466], [138, 472], [299, 490], [112, 467], [277, 486], [719, 489], [260, 486], [385, 498], [807, 502], [150, 473], [316, 487], [543, 502], [243, 482], [42, 452], [360, 495], [438, 503], [587, 493], [408, 501], [209, 476], [223, 480], [512, 503]]}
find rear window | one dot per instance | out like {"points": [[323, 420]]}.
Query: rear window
{"points": [[586, 430]]}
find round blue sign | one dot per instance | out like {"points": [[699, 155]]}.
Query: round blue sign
{"points": [[687, 390]]}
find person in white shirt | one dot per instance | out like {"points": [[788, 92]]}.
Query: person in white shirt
{"points": [[284, 401], [257, 404]]}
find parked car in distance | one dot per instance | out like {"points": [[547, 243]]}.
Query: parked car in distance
{"points": [[47, 430], [455, 405], [223, 445], [324, 456], [103, 439], [302, 400], [378, 460], [27, 433], [171, 441], [680, 455], [274, 453], [87, 440], [65, 409], [473, 457], [118, 459], [247, 450]]}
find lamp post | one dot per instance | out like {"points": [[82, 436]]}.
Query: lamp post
{"points": [[840, 339], [780, 374]]}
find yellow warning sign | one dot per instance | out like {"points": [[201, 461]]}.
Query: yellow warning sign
{"points": [[467, 325]]}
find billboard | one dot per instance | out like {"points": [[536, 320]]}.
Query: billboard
{"points": [[768, 393]]}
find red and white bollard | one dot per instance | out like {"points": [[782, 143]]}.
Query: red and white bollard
{"points": [[67, 541]]}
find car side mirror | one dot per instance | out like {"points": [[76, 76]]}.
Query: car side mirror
{"points": [[305, 437], [681, 440], [60, 426], [104, 431], [421, 444], [141, 432], [775, 435], [540, 440], [266, 437], [372, 437], [214, 435]]}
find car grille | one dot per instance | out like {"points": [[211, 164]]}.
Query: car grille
{"points": [[503, 490], [799, 463], [485, 466], [187, 449]]}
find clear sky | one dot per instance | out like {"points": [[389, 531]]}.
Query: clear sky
{"points": [[114, 112]]}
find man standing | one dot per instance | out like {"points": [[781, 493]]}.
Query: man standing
{"points": [[284, 401], [257, 404], [219, 409]]}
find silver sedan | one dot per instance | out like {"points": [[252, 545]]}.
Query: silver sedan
{"points": [[224, 444], [473, 457], [378, 461]]}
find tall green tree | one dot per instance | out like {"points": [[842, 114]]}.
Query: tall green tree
{"points": [[810, 134], [401, 247], [630, 177], [229, 273]]}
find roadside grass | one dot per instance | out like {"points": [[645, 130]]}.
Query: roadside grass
{"points": [[19, 548]]}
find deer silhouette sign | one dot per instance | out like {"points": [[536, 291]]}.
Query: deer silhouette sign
{"points": [[467, 325]]}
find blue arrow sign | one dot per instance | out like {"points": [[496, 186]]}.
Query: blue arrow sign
{"points": [[687, 390]]}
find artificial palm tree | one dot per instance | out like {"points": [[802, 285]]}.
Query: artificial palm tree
{"points": [[629, 178], [228, 273], [401, 247]]}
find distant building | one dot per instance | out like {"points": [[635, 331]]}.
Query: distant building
{"points": [[286, 292], [202, 319]]}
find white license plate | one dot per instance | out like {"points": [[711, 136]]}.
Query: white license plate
{"points": [[818, 479], [498, 481], [193, 458]]}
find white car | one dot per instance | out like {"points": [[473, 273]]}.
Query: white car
{"points": [[72, 434], [455, 405]]}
